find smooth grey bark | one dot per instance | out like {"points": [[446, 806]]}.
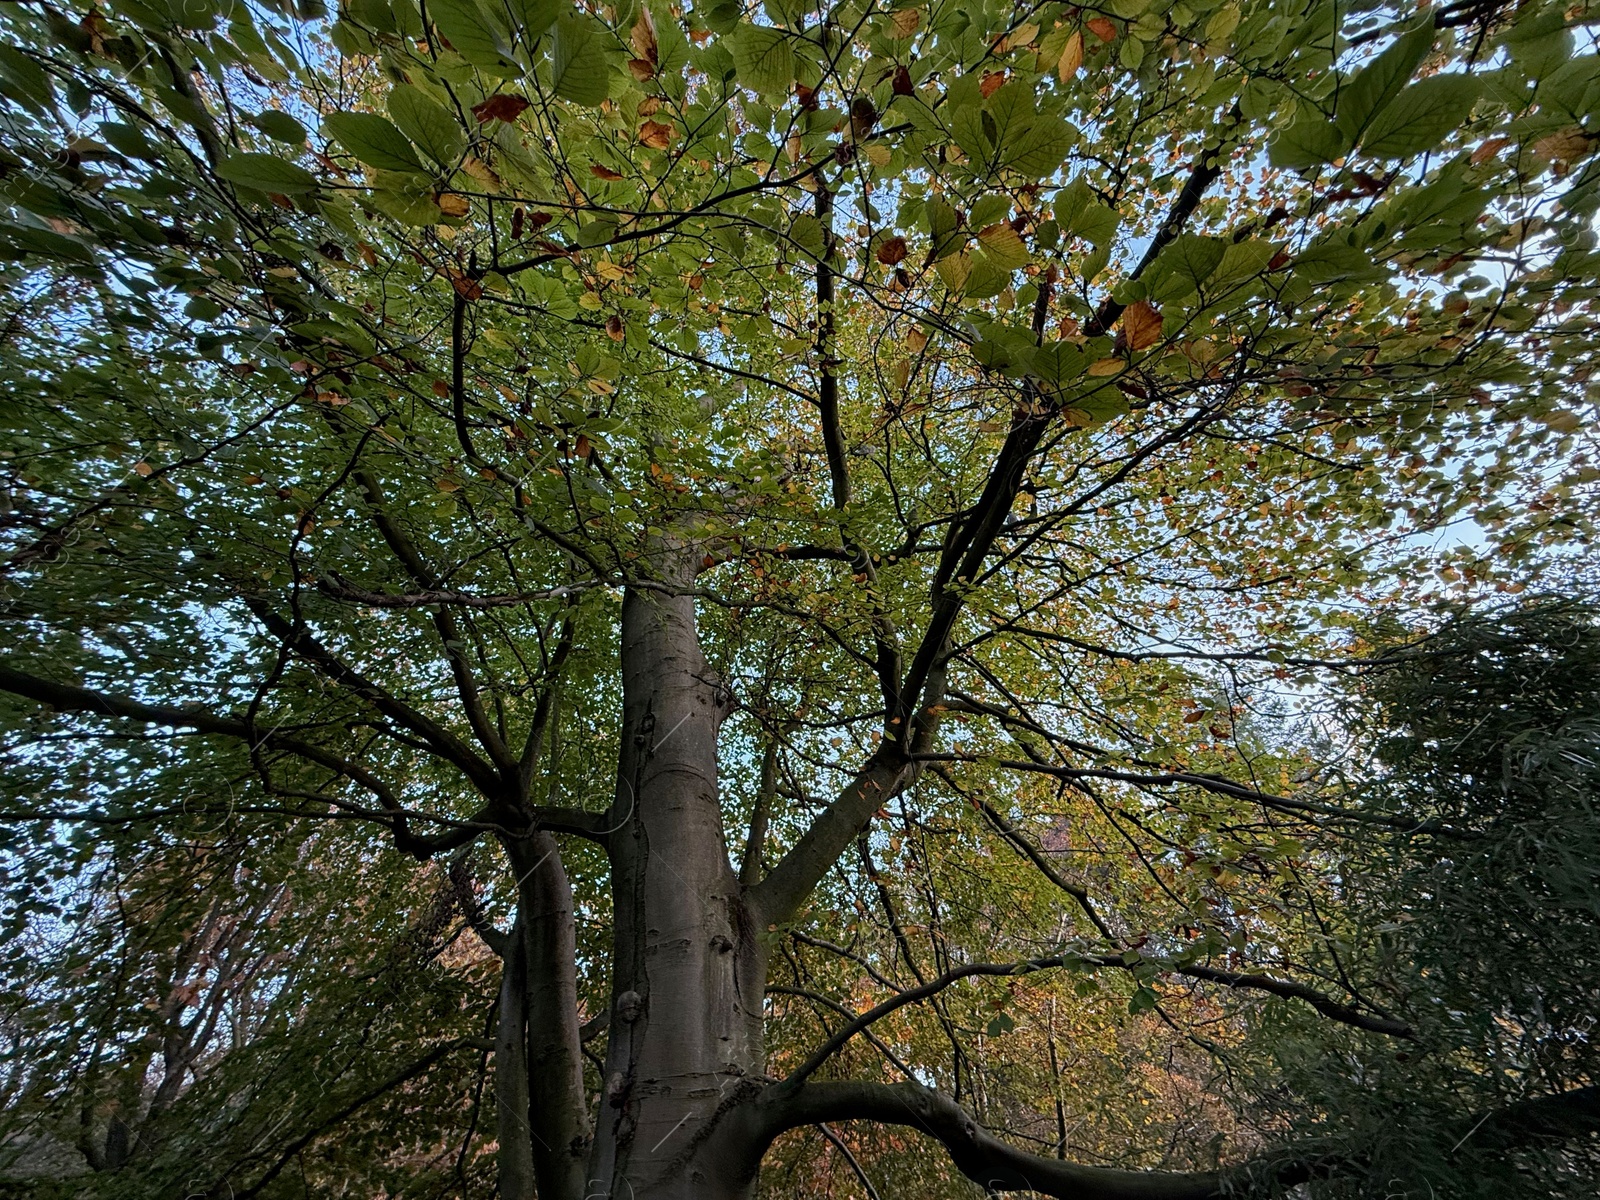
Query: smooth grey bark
{"points": [[514, 1159], [555, 1062], [688, 967]]}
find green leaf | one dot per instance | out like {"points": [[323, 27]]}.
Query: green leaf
{"points": [[404, 206], [266, 173], [764, 58], [807, 233], [986, 278], [279, 126], [1422, 116], [1243, 260], [943, 224], [535, 17], [1312, 141], [17, 240], [579, 70], [1144, 1000], [428, 124], [1057, 362], [27, 80], [467, 29], [1193, 257], [1000, 1024], [1081, 214], [374, 140], [374, 14], [1039, 149], [1370, 89]]}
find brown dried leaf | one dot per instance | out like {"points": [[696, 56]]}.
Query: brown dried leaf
{"points": [[1102, 28], [1489, 149], [905, 22], [656, 135], [643, 36], [505, 107], [892, 251], [1566, 145], [1141, 325]]}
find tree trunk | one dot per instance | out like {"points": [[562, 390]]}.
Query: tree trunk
{"points": [[688, 970], [543, 1119]]}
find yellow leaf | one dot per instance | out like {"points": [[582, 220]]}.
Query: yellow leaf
{"points": [[954, 270], [1071, 57], [1003, 245], [1106, 366], [483, 173], [1021, 36]]}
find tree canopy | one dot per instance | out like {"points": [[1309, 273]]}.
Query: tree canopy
{"points": [[674, 600]]}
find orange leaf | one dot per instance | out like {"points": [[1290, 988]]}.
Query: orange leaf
{"points": [[892, 251], [600, 172], [614, 328], [143, 468], [656, 135], [441, 389], [641, 69], [505, 107], [1102, 28], [1141, 325], [582, 448], [1071, 57], [452, 204], [991, 82]]}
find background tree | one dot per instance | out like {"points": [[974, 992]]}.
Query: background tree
{"points": [[807, 514]]}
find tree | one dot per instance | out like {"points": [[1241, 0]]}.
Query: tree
{"points": [[749, 470]]}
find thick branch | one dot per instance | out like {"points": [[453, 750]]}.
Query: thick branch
{"points": [[1000, 1167], [978, 1154], [778, 897]]}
